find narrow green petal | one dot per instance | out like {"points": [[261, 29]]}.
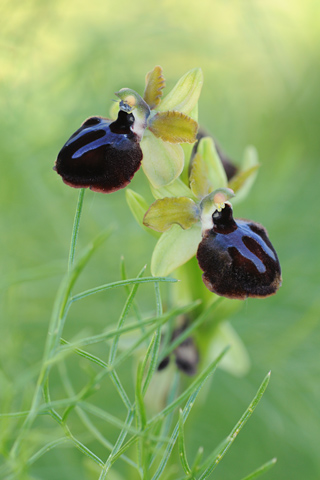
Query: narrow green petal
{"points": [[166, 212], [114, 110], [162, 161], [155, 83], [217, 174], [173, 127], [174, 248], [243, 181], [185, 94], [199, 177], [138, 207]]}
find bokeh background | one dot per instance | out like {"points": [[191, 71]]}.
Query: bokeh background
{"points": [[60, 62]]}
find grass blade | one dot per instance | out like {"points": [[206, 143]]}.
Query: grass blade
{"points": [[49, 446], [154, 353], [75, 230], [167, 422], [196, 461], [191, 328], [195, 384], [174, 436], [182, 446], [210, 464], [123, 316], [260, 471], [56, 324], [121, 283]]}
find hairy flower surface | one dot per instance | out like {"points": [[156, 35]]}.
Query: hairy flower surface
{"points": [[103, 155], [183, 212], [238, 258]]}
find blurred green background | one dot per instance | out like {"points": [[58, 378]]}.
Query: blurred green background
{"points": [[62, 61]]}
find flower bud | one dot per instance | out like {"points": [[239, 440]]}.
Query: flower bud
{"points": [[186, 353], [238, 258], [101, 155]]}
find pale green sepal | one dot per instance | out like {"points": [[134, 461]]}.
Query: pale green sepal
{"points": [[199, 177], [173, 127], [185, 94], [114, 110], [237, 182], [162, 161], [248, 173], [217, 174], [169, 211], [174, 248], [194, 113], [175, 189], [155, 83], [138, 207], [236, 361]]}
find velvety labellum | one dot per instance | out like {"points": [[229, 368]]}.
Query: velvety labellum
{"points": [[238, 258], [101, 155]]}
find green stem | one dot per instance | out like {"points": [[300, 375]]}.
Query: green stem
{"points": [[75, 229], [60, 308]]}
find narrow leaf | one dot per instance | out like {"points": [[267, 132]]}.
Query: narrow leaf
{"points": [[210, 464], [123, 316], [185, 94], [197, 460], [174, 248], [245, 178], [49, 446], [239, 180], [140, 406], [194, 325], [154, 352], [173, 127], [162, 161], [117, 446], [111, 419], [260, 471], [182, 446], [217, 174], [195, 388], [155, 83], [197, 383], [174, 435], [168, 211], [121, 283]]}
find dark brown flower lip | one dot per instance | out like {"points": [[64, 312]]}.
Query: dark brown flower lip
{"points": [[238, 262], [102, 155]]}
